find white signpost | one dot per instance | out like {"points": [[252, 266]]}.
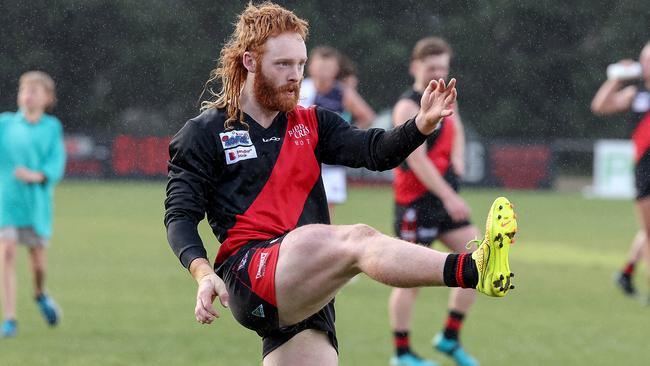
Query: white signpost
{"points": [[613, 169]]}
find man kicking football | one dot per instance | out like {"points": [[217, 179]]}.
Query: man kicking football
{"points": [[251, 162]]}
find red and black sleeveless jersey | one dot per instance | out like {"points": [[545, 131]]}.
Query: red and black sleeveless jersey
{"points": [[641, 118], [258, 184], [407, 186]]}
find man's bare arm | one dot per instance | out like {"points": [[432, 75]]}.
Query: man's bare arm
{"points": [[362, 113], [458, 148], [612, 98]]}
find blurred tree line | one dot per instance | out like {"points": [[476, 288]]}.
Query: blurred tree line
{"points": [[526, 69]]}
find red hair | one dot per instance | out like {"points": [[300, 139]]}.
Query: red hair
{"points": [[255, 25]]}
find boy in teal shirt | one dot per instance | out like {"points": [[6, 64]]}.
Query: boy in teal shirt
{"points": [[32, 161]]}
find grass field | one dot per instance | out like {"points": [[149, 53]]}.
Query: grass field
{"points": [[127, 300]]}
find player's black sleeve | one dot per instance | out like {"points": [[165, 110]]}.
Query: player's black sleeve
{"points": [[191, 164], [375, 149]]}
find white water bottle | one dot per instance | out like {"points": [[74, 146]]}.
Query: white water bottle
{"points": [[624, 71]]}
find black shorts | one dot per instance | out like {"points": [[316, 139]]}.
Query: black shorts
{"points": [[642, 176], [250, 278], [423, 220]]}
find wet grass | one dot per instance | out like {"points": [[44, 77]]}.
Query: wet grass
{"points": [[127, 300]]}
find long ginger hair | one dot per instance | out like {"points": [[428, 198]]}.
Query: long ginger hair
{"points": [[255, 25]]}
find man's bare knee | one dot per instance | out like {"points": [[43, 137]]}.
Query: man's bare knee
{"points": [[353, 240], [345, 242], [355, 234]]}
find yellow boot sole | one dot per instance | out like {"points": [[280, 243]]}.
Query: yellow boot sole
{"points": [[491, 257]]}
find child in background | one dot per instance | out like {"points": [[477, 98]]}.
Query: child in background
{"points": [[32, 161]]}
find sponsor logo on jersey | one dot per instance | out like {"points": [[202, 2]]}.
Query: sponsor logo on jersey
{"points": [[240, 153], [237, 146], [271, 139], [261, 268], [232, 139], [300, 134]]}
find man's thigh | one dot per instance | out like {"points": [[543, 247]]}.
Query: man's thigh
{"points": [[307, 348], [313, 264]]}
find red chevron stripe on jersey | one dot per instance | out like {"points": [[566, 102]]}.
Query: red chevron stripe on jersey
{"points": [[283, 197]]}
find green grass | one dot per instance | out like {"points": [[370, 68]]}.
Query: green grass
{"points": [[127, 300]]}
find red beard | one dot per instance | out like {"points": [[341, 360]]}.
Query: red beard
{"points": [[275, 98]]}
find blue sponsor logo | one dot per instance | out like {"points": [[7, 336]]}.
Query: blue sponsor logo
{"points": [[235, 138]]}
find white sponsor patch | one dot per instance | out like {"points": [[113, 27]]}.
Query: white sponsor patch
{"points": [[237, 145], [240, 153]]}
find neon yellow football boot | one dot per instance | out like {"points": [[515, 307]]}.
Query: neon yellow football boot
{"points": [[491, 257]]}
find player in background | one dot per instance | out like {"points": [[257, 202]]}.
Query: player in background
{"points": [[330, 85], [348, 79], [348, 74], [32, 161], [428, 206], [324, 89], [251, 162], [627, 89]]}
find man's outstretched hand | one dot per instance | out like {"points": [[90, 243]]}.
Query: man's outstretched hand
{"points": [[437, 102]]}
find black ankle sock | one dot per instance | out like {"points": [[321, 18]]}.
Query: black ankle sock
{"points": [[453, 325], [460, 271], [402, 345]]}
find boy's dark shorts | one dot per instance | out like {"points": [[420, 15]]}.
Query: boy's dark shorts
{"points": [[423, 220]]}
